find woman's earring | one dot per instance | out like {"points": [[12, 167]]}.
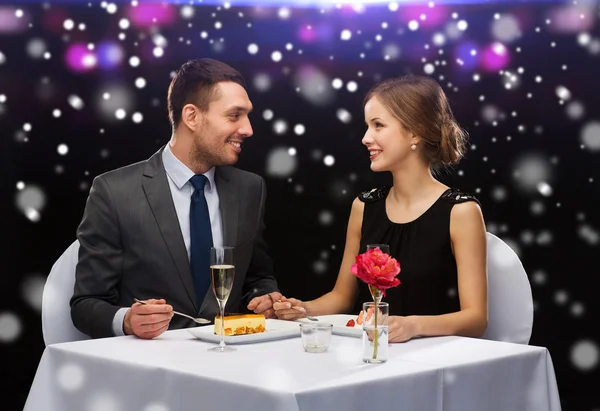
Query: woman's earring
{"points": [[413, 147]]}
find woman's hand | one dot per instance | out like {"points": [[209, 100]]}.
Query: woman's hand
{"points": [[289, 309], [401, 329]]}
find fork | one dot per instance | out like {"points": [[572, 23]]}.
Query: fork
{"points": [[196, 320], [308, 317]]}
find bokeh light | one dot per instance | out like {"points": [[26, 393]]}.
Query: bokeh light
{"points": [[80, 59]]}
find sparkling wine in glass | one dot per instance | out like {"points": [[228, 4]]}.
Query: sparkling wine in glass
{"points": [[222, 271]]}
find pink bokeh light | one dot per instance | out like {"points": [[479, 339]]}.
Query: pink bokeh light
{"points": [[426, 16], [495, 57], [151, 14], [10, 23], [80, 59], [307, 34], [572, 19]]}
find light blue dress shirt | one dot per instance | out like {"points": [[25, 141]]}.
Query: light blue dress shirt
{"points": [[178, 175]]}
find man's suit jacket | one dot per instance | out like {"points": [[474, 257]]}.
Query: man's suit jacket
{"points": [[131, 246]]}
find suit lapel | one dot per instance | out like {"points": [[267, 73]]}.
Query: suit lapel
{"points": [[157, 190]]}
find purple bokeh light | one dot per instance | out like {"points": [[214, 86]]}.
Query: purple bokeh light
{"points": [[466, 55], [80, 59], [110, 55]]}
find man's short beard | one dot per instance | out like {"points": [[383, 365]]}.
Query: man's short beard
{"points": [[198, 156]]}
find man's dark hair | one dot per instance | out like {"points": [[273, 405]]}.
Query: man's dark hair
{"points": [[195, 82]]}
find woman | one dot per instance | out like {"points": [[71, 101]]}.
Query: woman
{"points": [[437, 234]]}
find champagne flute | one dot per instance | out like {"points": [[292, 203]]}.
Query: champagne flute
{"points": [[222, 272], [384, 248]]}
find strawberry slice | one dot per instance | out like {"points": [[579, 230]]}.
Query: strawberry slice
{"points": [[370, 313], [360, 318], [350, 323]]}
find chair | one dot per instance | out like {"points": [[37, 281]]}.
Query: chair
{"points": [[510, 303], [57, 326]]}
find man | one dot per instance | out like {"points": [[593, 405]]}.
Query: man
{"points": [[148, 227]]}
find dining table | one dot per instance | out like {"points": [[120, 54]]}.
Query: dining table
{"points": [[177, 372]]}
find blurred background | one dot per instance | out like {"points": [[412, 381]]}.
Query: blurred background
{"points": [[83, 90]]}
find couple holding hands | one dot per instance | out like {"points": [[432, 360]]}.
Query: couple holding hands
{"points": [[147, 228]]}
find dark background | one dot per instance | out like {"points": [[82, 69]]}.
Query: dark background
{"points": [[533, 161]]}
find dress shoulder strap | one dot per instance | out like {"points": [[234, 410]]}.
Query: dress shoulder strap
{"points": [[455, 196], [374, 195]]}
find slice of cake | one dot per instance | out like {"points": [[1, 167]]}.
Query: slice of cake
{"points": [[241, 324]]}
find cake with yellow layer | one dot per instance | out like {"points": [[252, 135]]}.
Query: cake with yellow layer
{"points": [[241, 324]]}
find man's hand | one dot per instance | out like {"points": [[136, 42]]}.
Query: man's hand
{"points": [[264, 304], [148, 320]]}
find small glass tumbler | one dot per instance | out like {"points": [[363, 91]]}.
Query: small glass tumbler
{"points": [[375, 332], [315, 337]]}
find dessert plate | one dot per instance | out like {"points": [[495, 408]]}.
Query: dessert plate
{"points": [[339, 322], [276, 330]]}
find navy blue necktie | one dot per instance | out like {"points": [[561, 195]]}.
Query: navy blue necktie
{"points": [[201, 238]]}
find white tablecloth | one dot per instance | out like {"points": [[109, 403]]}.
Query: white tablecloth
{"points": [[175, 372]]}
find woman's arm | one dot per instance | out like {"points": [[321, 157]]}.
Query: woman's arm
{"points": [[468, 236], [340, 299]]}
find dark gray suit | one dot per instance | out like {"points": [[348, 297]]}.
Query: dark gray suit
{"points": [[132, 246]]}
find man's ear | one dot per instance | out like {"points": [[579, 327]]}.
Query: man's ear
{"points": [[191, 116]]}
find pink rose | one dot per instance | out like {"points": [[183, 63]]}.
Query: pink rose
{"points": [[377, 269]]}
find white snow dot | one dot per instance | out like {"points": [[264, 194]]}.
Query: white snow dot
{"points": [[299, 129], [68, 24], [10, 327], [268, 114], [111, 8], [276, 56], [584, 355], [134, 61], [344, 115], [62, 149], [563, 93], [280, 127], [140, 82], [158, 52]]}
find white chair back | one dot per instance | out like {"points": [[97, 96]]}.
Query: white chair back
{"points": [[57, 326], [510, 303]]}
